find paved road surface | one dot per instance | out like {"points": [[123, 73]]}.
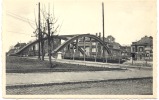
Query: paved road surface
{"points": [[61, 77], [120, 87]]}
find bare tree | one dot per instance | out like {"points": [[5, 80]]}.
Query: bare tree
{"points": [[49, 26]]}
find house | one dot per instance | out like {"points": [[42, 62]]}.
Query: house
{"points": [[114, 48], [16, 48], [11, 51], [126, 52], [143, 49]]}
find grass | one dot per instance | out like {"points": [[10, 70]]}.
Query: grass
{"points": [[24, 65]]}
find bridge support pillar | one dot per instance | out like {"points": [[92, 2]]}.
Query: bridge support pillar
{"points": [[59, 55]]}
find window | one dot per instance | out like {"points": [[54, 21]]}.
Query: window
{"points": [[140, 49], [133, 49]]}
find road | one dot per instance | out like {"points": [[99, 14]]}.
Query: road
{"points": [[119, 87], [61, 77], [130, 81]]}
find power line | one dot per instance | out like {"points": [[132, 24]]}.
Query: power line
{"points": [[18, 32], [19, 16], [21, 19]]}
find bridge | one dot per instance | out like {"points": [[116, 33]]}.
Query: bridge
{"points": [[73, 46]]}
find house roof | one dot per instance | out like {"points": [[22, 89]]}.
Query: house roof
{"points": [[144, 41], [115, 45], [11, 50], [20, 44]]}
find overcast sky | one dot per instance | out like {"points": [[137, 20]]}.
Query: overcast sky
{"points": [[126, 20]]}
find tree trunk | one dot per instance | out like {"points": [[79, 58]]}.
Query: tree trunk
{"points": [[42, 47], [49, 44]]}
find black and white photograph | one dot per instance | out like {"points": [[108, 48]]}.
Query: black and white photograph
{"points": [[79, 48]]}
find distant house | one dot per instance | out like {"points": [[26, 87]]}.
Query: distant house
{"points": [[126, 51], [11, 51], [114, 48], [19, 45], [16, 48], [143, 49]]}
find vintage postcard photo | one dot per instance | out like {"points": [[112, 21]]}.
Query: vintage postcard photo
{"points": [[79, 48]]}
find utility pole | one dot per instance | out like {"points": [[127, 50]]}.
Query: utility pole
{"points": [[42, 45], [84, 48], [49, 44], [39, 32], [103, 31]]}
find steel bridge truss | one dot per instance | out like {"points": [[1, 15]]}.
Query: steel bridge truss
{"points": [[71, 45]]}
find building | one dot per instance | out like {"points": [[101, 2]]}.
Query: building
{"points": [[126, 52], [143, 49], [16, 48], [11, 51]]}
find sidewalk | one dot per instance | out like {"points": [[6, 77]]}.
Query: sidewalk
{"points": [[99, 64], [95, 64], [20, 79]]}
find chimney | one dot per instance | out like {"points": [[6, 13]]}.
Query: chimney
{"points": [[99, 35]]}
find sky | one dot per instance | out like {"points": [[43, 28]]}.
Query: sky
{"points": [[126, 20]]}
